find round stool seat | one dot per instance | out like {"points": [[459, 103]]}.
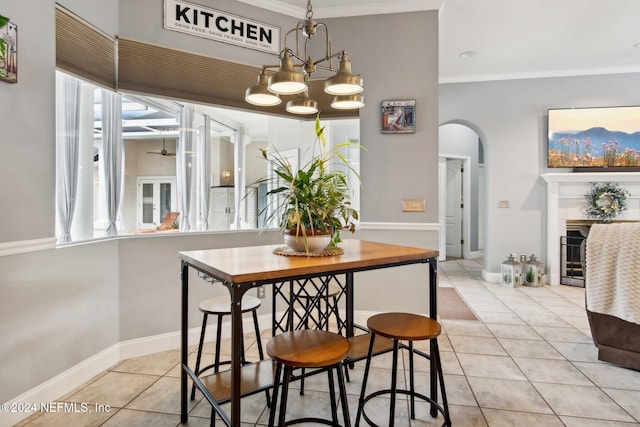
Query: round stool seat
{"points": [[308, 348], [222, 305], [404, 326]]}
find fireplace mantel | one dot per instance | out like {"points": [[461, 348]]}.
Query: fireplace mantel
{"points": [[565, 200], [591, 177]]}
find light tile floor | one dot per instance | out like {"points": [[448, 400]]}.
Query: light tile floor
{"points": [[528, 361]]}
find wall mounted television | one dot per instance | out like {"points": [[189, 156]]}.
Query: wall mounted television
{"points": [[601, 138]]}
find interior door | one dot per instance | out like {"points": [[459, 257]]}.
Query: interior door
{"points": [[453, 213], [156, 196], [222, 208]]}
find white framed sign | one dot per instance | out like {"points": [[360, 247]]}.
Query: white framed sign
{"points": [[213, 24]]}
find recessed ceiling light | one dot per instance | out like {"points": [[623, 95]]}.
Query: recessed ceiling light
{"points": [[468, 54]]}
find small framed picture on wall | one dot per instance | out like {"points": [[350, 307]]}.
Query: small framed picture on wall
{"points": [[8, 51], [399, 116]]}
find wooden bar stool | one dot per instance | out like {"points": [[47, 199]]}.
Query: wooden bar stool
{"points": [[220, 307], [308, 348], [405, 327], [319, 303]]}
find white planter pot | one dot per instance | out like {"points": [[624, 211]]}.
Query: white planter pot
{"points": [[314, 243]]}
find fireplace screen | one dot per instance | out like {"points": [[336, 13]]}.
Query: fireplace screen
{"points": [[572, 258]]}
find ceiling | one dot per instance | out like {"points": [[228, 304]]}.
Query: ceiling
{"points": [[507, 39]]}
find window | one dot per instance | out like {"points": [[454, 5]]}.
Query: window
{"points": [[150, 131]]}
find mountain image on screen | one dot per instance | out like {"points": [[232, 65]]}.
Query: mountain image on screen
{"points": [[594, 147]]}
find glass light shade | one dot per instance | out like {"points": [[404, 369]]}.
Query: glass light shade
{"points": [[302, 104], [287, 81], [347, 102], [344, 82], [260, 95]]}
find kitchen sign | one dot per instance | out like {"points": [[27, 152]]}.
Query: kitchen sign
{"points": [[221, 26]]}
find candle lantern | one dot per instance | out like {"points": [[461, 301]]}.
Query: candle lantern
{"points": [[511, 272], [533, 271]]}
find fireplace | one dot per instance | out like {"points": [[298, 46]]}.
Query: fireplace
{"points": [[572, 252], [565, 203]]}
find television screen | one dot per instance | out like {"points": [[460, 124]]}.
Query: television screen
{"points": [[606, 137]]}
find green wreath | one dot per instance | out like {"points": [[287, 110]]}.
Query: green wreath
{"points": [[605, 201]]}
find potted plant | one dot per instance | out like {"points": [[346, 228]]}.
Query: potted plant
{"points": [[311, 204]]}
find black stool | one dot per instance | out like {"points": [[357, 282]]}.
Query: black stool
{"points": [[407, 327], [220, 307], [308, 348]]}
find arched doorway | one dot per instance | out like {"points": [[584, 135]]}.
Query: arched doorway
{"points": [[462, 192]]}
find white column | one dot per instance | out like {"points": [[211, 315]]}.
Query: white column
{"points": [[242, 139], [553, 233]]}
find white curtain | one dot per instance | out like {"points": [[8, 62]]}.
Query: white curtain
{"points": [[113, 155], [67, 145], [204, 172], [184, 158]]}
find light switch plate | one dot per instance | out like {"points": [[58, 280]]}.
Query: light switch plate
{"points": [[413, 205], [503, 203]]}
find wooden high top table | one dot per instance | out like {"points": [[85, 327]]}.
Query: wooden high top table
{"points": [[244, 268]]}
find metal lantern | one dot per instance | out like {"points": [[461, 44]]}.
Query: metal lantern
{"points": [[533, 271], [511, 272]]}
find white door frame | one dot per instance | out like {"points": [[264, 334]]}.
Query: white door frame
{"points": [[466, 200]]}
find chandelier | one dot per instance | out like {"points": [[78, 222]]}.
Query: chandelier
{"points": [[345, 86]]}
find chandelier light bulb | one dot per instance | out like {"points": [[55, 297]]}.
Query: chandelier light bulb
{"points": [[347, 102], [287, 81], [302, 104], [260, 95], [344, 82]]}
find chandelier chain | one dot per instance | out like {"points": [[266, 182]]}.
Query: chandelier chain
{"points": [[309, 10]]}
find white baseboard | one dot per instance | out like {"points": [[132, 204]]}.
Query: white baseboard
{"points": [[491, 277], [171, 340], [74, 377], [475, 254], [62, 383]]}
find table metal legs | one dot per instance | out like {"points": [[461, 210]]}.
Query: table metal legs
{"points": [[433, 313], [184, 342]]}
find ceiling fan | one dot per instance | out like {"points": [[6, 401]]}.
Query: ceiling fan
{"points": [[163, 152]]}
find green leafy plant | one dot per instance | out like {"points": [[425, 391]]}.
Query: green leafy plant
{"points": [[531, 277], [315, 198]]}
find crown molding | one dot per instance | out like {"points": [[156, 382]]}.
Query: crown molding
{"points": [[368, 8], [537, 75]]}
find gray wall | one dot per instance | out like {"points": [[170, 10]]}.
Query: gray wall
{"points": [[61, 306], [27, 120], [397, 56], [142, 20], [510, 117], [57, 308], [379, 54]]}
